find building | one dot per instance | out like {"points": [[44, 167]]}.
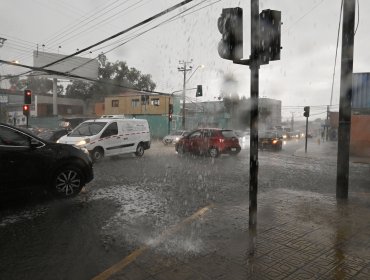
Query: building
{"points": [[269, 113], [206, 114], [152, 107], [41, 108]]}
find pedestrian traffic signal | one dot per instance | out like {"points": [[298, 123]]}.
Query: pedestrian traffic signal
{"points": [[230, 25], [27, 96], [199, 91], [306, 111], [270, 35], [26, 110]]}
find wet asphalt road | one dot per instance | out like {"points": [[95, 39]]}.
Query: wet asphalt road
{"points": [[132, 200]]}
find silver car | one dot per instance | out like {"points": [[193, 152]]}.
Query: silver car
{"points": [[174, 137]]}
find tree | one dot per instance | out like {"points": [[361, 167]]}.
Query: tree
{"points": [[34, 83], [79, 89], [113, 79]]}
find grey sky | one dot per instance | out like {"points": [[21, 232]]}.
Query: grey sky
{"points": [[303, 76]]}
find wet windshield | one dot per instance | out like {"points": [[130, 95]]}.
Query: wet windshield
{"points": [[271, 181], [88, 129]]}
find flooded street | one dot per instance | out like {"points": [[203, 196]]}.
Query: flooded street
{"points": [[134, 203]]}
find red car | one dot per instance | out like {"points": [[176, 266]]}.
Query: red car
{"points": [[209, 141]]}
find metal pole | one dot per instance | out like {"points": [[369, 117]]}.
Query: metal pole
{"points": [[183, 98], [327, 123], [305, 146], [253, 159], [168, 118], [55, 96], [344, 129]]}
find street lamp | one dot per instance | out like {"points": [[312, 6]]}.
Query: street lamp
{"points": [[184, 69], [199, 66]]}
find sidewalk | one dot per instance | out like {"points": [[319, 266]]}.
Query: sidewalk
{"points": [[300, 235], [328, 150]]}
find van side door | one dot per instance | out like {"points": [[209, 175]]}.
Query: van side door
{"points": [[110, 140]]}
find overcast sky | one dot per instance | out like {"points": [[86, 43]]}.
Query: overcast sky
{"points": [[302, 77]]}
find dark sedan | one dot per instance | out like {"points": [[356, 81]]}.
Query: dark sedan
{"points": [[271, 140], [27, 162], [53, 135]]}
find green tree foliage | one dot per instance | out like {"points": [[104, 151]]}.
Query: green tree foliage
{"points": [[113, 78], [79, 89], [34, 83]]}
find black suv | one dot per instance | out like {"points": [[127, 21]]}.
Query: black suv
{"points": [[28, 162]]}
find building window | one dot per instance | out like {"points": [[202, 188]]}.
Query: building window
{"points": [[135, 103], [144, 100], [154, 101], [115, 103]]}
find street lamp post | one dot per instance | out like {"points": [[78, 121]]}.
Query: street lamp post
{"points": [[184, 69]]}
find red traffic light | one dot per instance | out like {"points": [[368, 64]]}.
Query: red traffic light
{"points": [[26, 110], [27, 96]]}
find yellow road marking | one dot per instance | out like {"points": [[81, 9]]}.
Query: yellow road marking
{"points": [[132, 257]]}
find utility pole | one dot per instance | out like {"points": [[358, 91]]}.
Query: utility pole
{"points": [[184, 69], [344, 129], [292, 122], [327, 123]]}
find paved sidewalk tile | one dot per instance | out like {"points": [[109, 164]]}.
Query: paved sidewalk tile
{"points": [[308, 236]]}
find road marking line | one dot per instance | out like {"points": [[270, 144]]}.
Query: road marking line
{"points": [[132, 257]]}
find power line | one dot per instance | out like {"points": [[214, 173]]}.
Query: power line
{"points": [[336, 52], [57, 73], [119, 33]]}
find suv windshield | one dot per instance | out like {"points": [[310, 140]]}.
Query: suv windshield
{"points": [[88, 129]]}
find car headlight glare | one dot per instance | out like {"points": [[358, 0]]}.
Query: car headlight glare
{"points": [[83, 142]]}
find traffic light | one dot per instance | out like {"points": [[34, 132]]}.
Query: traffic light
{"points": [[199, 91], [27, 96], [306, 111], [170, 111], [270, 35], [230, 25], [26, 110]]}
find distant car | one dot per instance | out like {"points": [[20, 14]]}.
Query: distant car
{"points": [[54, 134], [244, 138], [209, 141], [28, 162], [270, 140], [174, 137]]}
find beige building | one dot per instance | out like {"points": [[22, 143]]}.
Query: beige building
{"points": [[137, 104]]}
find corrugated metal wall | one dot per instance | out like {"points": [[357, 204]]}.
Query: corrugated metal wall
{"points": [[361, 90]]}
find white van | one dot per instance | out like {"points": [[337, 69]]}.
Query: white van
{"points": [[110, 135]]}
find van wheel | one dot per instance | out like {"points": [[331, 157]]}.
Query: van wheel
{"points": [[67, 181], [97, 154], [213, 152], [139, 150], [180, 149]]}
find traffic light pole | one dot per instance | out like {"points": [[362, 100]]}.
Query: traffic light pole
{"points": [[305, 146], [254, 65], [253, 157]]}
